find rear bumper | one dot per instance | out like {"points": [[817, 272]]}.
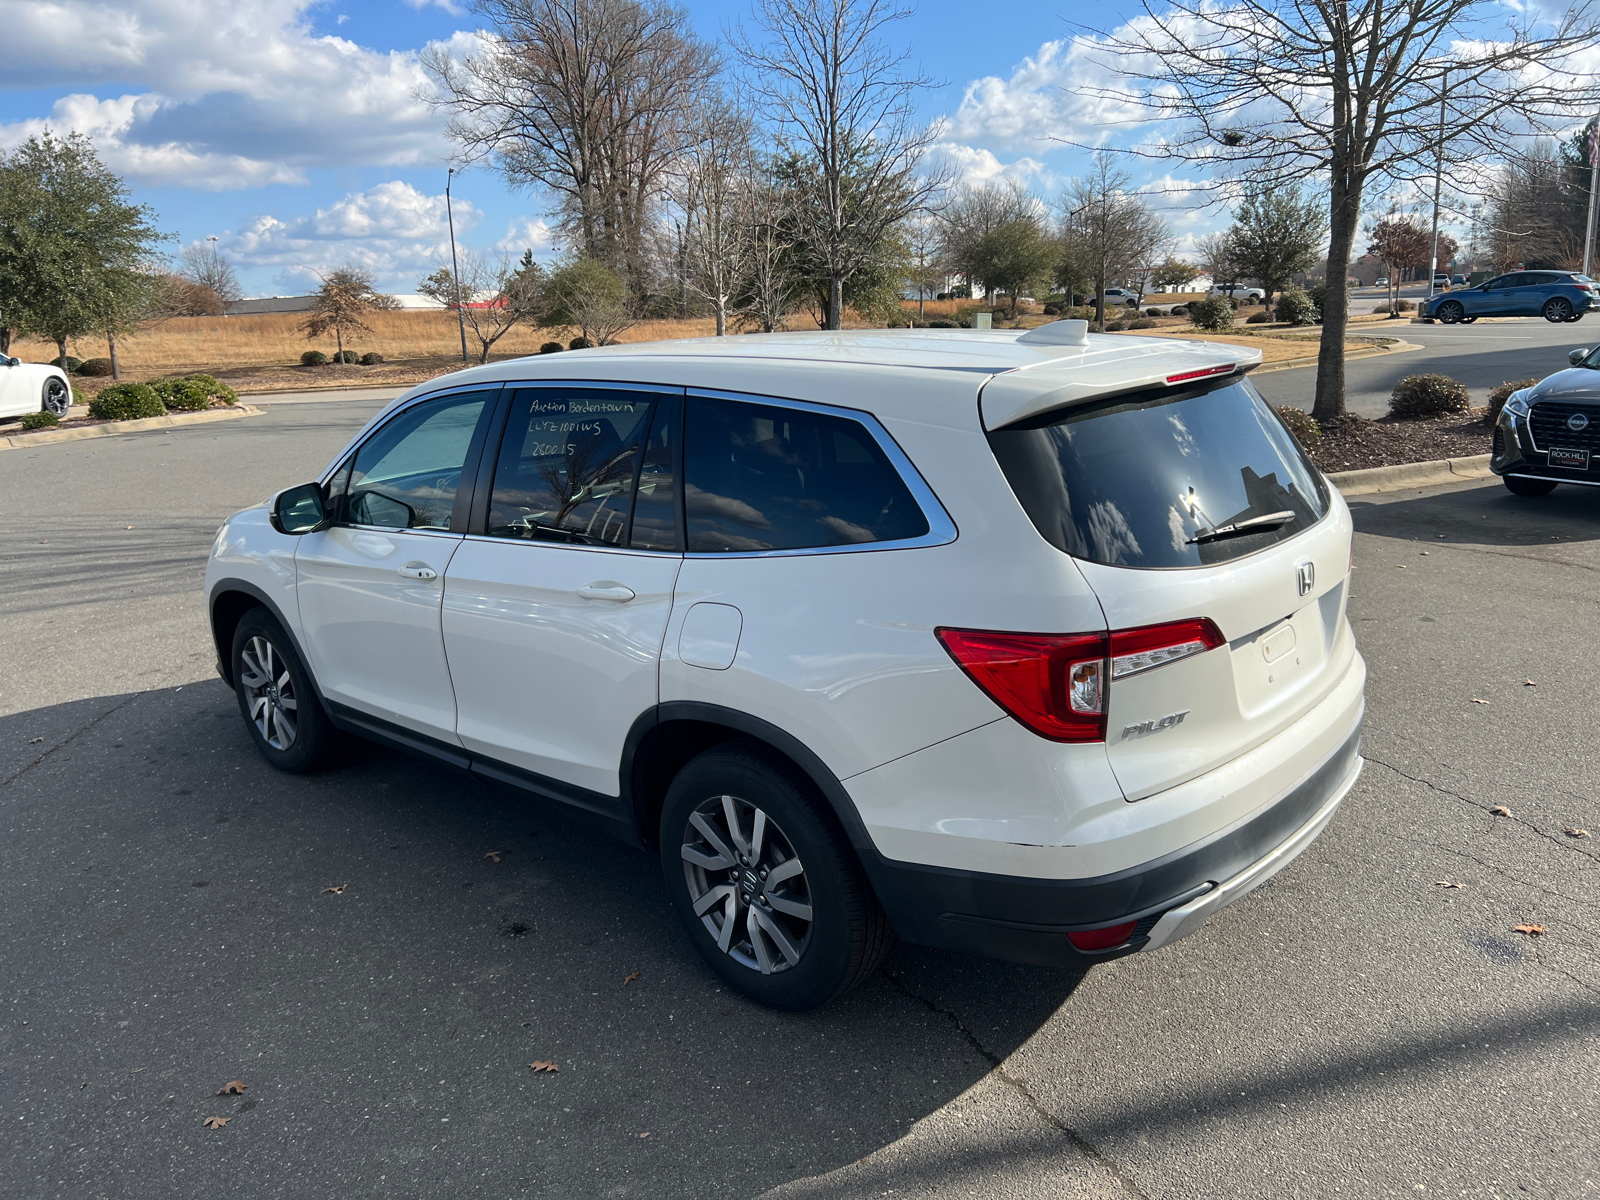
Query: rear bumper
{"points": [[1029, 920]]}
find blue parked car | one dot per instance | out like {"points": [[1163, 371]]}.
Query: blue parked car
{"points": [[1556, 296]]}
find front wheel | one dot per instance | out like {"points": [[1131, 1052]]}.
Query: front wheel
{"points": [[1558, 309], [1451, 311], [57, 397], [276, 698], [768, 888], [1522, 485]]}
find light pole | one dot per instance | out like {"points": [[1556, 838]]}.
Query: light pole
{"points": [[1594, 178], [1438, 182], [455, 270]]}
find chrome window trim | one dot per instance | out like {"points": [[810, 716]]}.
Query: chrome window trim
{"points": [[390, 414], [941, 529]]}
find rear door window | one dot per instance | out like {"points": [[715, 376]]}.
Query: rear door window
{"points": [[1189, 479], [763, 477], [569, 465]]}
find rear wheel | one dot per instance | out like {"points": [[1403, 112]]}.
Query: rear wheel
{"points": [[57, 397], [1557, 309], [768, 888], [276, 698], [1522, 485], [1451, 311]]}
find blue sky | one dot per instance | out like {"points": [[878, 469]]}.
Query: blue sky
{"points": [[289, 130]]}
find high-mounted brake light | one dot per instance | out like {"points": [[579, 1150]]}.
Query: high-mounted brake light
{"points": [[1203, 373], [1058, 684]]}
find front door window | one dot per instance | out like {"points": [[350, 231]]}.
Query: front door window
{"points": [[407, 474]]}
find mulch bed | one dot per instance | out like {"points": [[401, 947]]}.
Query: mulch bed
{"points": [[1352, 443]]}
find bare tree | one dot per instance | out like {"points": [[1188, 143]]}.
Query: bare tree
{"points": [[768, 280], [1354, 93], [1536, 213], [844, 110], [495, 296], [1216, 260], [204, 265], [343, 303], [592, 100], [1400, 243], [924, 238], [711, 190], [1107, 230]]}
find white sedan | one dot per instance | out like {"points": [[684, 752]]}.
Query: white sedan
{"points": [[32, 387]]}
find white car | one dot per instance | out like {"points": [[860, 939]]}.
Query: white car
{"points": [[1249, 295], [32, 387], [1027, 645], [1116, 295]]}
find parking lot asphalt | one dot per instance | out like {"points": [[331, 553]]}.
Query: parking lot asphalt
{"points": [[178, 916], [1481, 355]]}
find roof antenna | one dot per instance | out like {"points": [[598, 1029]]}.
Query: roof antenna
{"points": [[1057, 333]]}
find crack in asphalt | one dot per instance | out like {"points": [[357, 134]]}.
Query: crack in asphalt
{"points": [[1505, 874], [1020, 1086], [67, 741], [1560, 840]]}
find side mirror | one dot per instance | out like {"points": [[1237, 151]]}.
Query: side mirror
{"points": [[6, 361], [1575, 357], [300, 510]]}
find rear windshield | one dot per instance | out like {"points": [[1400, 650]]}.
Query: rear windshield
{"points": [[1157, 482]]}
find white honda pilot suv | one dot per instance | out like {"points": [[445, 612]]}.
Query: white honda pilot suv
{"points": [[1032, 645]]}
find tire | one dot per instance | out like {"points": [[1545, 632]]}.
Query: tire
{"points": [[276, 697], [1450, 312], [1574, 318], [819, 930], [1522, 485], [1557, 310], [56, 397]]}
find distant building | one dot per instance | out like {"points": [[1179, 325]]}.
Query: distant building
{"points": [[299, 304]]}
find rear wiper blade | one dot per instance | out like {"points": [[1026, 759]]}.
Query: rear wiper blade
{"points": [[1237, 528]]}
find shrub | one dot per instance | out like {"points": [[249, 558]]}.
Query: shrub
{"points": [[349, 357], [1214, 312], [579, 343], [40, 420], [1418, 396], [192, 392], [1050, 310], [1142, 323], [126, 402], [1180, 310], [1305, 429], [942, 325], [1297, 308], [313, 358], [371, 359], [1259, 318], [68, 364], [1152, 312], [551, 348], [95, 366], [1499, 395], [1116, 327]]}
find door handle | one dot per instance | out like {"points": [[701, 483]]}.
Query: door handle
{"points": [[418, 570], [605, 589]]}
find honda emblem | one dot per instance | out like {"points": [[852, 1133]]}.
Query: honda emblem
{"points": [[1306, 577]]}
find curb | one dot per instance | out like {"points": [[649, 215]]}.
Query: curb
{"points": [[1409, 475], [1289, 364], [45, 437]]}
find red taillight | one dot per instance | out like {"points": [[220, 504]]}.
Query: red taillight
{"points": [[1102, 939], [1151, 646], [1202, 373], [1053, 683], [1056, 684]]}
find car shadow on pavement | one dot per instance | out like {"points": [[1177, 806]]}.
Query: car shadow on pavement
{"points": [[1486, 514], [379, 952]]}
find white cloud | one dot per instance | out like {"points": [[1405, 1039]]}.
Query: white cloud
{"points": [[393, 229], [455, 10], [526, 234], [224, 96]]}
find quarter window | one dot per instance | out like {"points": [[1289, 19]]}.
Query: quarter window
{"points": [[569, 466], [762, 477], [406, 475]]}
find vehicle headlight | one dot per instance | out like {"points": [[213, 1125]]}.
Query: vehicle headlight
{"points": [[1517, 403]]}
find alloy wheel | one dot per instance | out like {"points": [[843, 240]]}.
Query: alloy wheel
{"points": [[57, 397], [266, 680], [1558, 310], [1451, 312], [747, 884]]}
